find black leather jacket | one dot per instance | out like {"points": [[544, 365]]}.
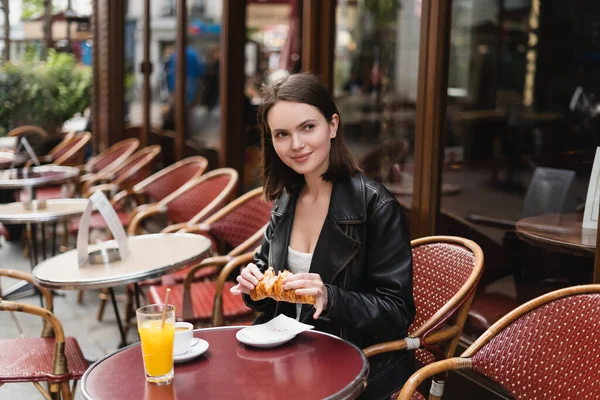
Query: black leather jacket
{"points": [[364, 257]]}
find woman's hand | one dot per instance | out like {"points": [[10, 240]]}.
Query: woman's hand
{"points": [[247, 279], [310, 285]]}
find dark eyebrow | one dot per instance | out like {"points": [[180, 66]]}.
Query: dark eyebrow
{"points": [[305, 122], [299, 125]]}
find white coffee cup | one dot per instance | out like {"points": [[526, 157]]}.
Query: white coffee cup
{"points": [[184, 337]]}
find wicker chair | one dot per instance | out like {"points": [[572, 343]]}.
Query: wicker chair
{"points": [[229, 227], [446, 270], [239, 225], [112, 157], [194, 202], [132, 171], [52, 358], [206, 300], [545, 349]]}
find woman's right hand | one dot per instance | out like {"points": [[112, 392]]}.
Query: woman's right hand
{"points": [[247, 279]]}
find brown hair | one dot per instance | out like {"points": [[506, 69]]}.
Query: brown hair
{"points": [[303, 88]]}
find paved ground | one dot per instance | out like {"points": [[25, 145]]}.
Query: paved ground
{"points": [[95, 338]]}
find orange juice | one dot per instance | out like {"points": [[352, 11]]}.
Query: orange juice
{"points": [[157, 347]]}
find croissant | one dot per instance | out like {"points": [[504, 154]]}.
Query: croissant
{"points": [[271, 286]]}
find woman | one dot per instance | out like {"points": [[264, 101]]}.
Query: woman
{"points": [[342, 235]]}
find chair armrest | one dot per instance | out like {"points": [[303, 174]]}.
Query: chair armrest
{"points": [[60, 361], [491, 221], [141, 213], [216, 261], [175, 228], [402, 344], [421, 375], [196, 228], [121, 196], [385, 347], [27, 277], [109, 189], [217, 314]]}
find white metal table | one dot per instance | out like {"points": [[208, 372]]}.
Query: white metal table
{"points": [[150, 256]]}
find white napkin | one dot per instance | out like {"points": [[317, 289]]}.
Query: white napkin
{"points": [[278, 328]]}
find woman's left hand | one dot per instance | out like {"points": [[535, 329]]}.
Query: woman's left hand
{"points": [[308, 285]]}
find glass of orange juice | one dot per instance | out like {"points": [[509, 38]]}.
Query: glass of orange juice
{"points": [[157, 341]]}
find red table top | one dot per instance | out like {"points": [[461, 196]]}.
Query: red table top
{"points": [[313, 365]]}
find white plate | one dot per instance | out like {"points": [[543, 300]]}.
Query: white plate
{"points": [[198, 347], [266, 343]]}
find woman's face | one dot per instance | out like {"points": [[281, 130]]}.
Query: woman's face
{"points": [[302, 136]]}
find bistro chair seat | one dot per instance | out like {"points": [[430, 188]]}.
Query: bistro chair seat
{"points": [[446, 270], [544, 349], [203, 295], [32, 359], [52, 358], [486, 309]]}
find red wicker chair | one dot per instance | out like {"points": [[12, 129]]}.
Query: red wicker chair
{"points": [[229, 227], [201, 301], [69, 152], [130, 172], [545, 349], [194, 202], [51, 358], [152, 189], [446, 270], [112, 157], [239, 225]]}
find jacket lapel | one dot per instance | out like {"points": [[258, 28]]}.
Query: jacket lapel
{"points": [[333, 252], [335, 248]]}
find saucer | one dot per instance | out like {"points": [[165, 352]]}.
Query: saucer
{"points": [[265, 342], [198, 347]]}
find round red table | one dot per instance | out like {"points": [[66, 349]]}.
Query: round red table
{"points": [[314, 365]]}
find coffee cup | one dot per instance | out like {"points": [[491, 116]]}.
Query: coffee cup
{"points": [[184, 337]]}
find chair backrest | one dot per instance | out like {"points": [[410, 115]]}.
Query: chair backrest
{"points": [[21, 130], [547, 348], [136, 168], [549, 192], [239, 220], [112, 157], [73, 151], [166, 181], [201, 197], [446, 271]]}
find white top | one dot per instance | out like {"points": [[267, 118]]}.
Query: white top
{"points": [[298, 262]]}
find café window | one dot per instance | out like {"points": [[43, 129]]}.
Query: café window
{"points": [[521, 132], [375, 86]]}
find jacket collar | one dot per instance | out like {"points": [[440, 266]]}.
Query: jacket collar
{"points": [[346, 206]]}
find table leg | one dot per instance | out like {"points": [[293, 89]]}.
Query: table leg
{"points": [[33, 259], [118, 316], [53, 238], [43, 241], [137, 295]]}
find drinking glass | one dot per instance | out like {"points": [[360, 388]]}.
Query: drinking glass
{"points": [[157, 341]]}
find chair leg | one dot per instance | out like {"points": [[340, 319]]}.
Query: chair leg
{"points": [[80, 297], [44, 392], [103, 299], [65, 391]]}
